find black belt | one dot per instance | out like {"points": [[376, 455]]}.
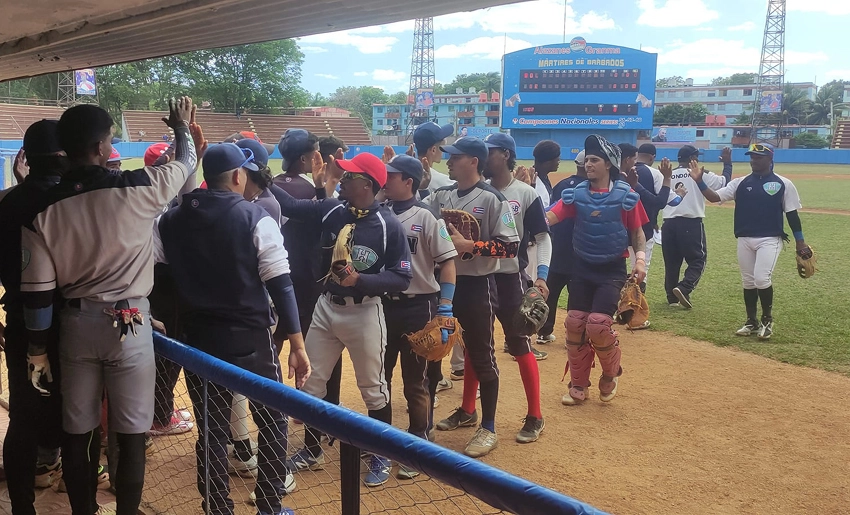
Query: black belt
{"points": [[406, 296], [339, 300]]}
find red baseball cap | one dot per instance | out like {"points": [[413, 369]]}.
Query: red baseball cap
{"points": [[114, 156], [367, 164], [153, 152]]}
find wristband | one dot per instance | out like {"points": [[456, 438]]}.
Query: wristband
{"points": [[798, 235], [702, 186], [447, 291], [675, 202], [542, 272]]}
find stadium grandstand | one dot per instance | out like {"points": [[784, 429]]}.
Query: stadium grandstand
{"points": [[841, 137], [14, 119]]}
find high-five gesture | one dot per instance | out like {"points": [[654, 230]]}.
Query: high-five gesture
{"points": [[179, 112], [726, 155], [197, 133], [666, 168], [696, 170], [389, 154]]}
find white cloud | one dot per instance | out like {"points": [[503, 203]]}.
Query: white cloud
{"points": [[838, 74], [651, 49], [795, 57], [312, 49], [539, 18], [327, 76], [744, 27], [388, 75], [365, 44], [830, 7], [727, 53], [675, 13], [361, 74], [483, 47]]}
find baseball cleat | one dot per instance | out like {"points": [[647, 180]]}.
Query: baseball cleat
{"points": [[539, 355], [405, 472], [436, 401], [303, 460], [445, 384], [531, 430], [749, 328], [176, 426], [48, 475], [379, 471], [457, 375], [607, 397], [766, 328], [505, 348], [246, 469], [684, 298], [543, 340], [289, 485], [458, 419], [574, 397], [482, 443]]}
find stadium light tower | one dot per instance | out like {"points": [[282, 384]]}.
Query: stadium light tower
{"points": [[767, 107], [422, 78]]}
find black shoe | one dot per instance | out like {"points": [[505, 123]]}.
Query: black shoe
{"points": [[684, 298], [457, 375], [530, 431]]}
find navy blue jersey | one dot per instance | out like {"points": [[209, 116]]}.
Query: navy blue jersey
{"points": [[652, 202], [563, 253]]}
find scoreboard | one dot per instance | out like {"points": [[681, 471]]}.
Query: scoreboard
{"points": [[578, 85]]}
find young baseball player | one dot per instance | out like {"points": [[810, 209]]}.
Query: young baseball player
{"points": [[475, 299], [409, 311], [760, 199], [683, 233], [216, 233], [427, 139], [608, 217], [31, 447], [105, 273], [547, 159], [530, 220], [563, 256], [349, 314]]}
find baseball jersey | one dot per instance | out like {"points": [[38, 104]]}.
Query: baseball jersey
{"points": [[267, 201], [760, 202], [563, 254], [693, 205], [653, 195], [542, 191], [94, 240], [530, 219], [429, 243], [494, 216], [438, 180]]}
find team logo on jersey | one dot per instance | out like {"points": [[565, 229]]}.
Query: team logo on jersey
{"points": [[444, 233], [416, 228], [25, 258], [363, 257], [405, 265], [515, 206], [508, 220], [772, 188], [477, 210], [596, 213]]}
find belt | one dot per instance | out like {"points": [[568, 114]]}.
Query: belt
{"points": [[407, 296], [341, 300]]}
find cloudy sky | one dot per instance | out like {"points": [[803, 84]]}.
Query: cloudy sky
{"points": [[700, 39]]}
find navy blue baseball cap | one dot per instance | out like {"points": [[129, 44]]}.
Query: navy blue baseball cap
{"points": [[293, 144], [408, 166], [501, 140], [261, 155], [429, 134], [225, 157], [470, 146], [687, 152]]}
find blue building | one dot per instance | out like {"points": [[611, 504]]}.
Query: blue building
{"points": [[730, 101], [473, 113]]}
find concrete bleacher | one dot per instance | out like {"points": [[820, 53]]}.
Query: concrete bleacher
{"points": [[15, 119], [841, 138]]}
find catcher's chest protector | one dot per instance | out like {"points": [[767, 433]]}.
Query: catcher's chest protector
{"points": [[599, 234]]}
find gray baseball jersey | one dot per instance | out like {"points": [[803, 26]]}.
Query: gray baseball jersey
{"points": [[494, 217], [429, 243], [528, 213]]}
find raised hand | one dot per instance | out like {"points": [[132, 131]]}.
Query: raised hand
{"points": [[426, 173], [726, 155], [389, 154], [179, 112], [20, 168], [696, 171], [522, 174], [410, 151], [318, 169], [632, 177], [197, 133], [666, 168]]}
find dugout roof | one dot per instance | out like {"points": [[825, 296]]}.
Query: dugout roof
{"points": [[43, 36]]}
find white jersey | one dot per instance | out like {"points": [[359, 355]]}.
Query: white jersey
{"points": [[528, 211], [429, 243], [438, 180], [790, 200], [693, 205]]}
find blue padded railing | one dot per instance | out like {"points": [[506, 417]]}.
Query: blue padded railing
{"points": [[491, 485]]}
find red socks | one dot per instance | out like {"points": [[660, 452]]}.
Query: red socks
{"points": [[530, 380], [470, 384]]}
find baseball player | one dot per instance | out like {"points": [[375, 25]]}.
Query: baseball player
{"points": [[103, 266], [475, 300], [31, 446], [349, 314], [530, 220], [683, 233], [216, 233], [760, 199], [547, 159], [608, 217], [427, 139], [331, 146], [563, 255], [410, 310]]}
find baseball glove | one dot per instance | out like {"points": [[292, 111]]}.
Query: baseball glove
{"points": [[428, 341], [633, 310], [806, 262], [466, 224], [341, 261], [532, 313]]}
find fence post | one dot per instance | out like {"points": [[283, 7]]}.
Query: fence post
{"points": [[206, 441], [349, 471]]}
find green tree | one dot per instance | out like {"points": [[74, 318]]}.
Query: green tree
{"points": [[743, 119], [486, 82], [43, 87], [358, 100], [678, 114], [809, 140], [828, 95], [795, 105], [676, 80], [735, 79], [398, 98]]}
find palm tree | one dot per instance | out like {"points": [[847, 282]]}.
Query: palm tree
{"points": [[823, 103], [794, 103], [492, 81]]}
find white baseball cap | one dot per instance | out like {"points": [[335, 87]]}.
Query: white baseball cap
{"points": [[580, 158]]}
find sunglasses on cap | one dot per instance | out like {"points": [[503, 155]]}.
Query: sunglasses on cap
{"points": [[249, 156], [758, 147], [350, 176]]}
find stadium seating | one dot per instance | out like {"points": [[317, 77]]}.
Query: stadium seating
{"points": [[841, 138], [14, 119]]}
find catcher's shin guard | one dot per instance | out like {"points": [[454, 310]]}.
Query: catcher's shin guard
{"points": [[605, 343], [579, 354]]}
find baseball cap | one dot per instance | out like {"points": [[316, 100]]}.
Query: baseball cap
{"points": [[500, 140], [367, 164], [40, 138], [153, 152], [261, 155], [647, 148], [627, 150], [760, 149], [238, 136], [429, 134], [596, 145], [114, 156], [688, 151], [408, 166], [580, 158], [468, 145], [225, 157], [293, 144]]}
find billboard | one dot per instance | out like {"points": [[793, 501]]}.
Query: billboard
{"points": [[85, 82], [771, 102], [674, 134], [424, 98], [478, 132], [578, 85]]}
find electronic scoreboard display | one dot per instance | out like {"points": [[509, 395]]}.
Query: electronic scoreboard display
{"points": [[578, 85]]}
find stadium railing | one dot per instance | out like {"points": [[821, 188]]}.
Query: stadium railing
{"points": [[450, 482]]}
